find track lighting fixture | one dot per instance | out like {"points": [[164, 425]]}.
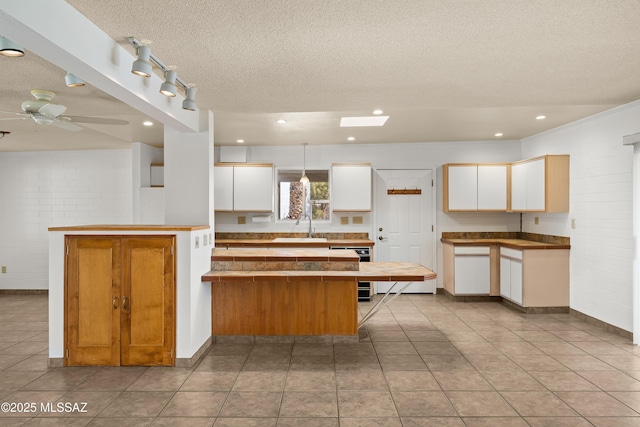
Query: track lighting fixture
{"points": [[189, 102], [73, 81], [9, 48], [142, 66], [168, 88]]}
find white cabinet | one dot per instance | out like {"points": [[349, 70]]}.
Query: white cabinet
{"points": [[253, 188], [472, 270], [511, 274], [351, 187], [243, 187], [540, 184], [223, 188], [473, 187]]}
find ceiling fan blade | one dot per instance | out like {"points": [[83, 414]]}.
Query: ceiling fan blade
{"points": [[66, 125], [96, 120], [52, 110], [15, 113]]}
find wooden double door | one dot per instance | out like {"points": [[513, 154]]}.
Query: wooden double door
{"points": [[120, 301]]}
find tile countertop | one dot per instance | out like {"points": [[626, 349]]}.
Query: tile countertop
{"points": [[263, 254], [369, 271], [269, 243], [509, 243]]}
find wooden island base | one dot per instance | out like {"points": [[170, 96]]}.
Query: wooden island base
{"points": [[294, 292], [284, 308]]}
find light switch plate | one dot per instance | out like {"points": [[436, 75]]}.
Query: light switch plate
{"points": [[197, 242], [204, 240], [344, 220], [357, 220], [4, 269], [242, 220]]}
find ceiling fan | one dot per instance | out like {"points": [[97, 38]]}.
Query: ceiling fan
{"points": [[44, 112]]}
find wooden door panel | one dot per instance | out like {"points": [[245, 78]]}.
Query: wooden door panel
{"points": [[92, 311], [148, 294]]}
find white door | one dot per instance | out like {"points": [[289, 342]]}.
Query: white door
{"points": [[405, 223]]}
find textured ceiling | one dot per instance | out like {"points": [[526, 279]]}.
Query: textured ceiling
{"points": [[443, 70]]}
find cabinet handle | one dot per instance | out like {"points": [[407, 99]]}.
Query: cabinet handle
{"points": [[124, 303], [115, 302]]}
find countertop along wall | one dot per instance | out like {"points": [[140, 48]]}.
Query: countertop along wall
{"points": [[601, 205]]}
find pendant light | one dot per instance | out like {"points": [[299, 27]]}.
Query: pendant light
{"points": [[304, 179]]}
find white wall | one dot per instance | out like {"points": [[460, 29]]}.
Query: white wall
{"points": [[601, 204], [148, 203], [41, 189]]}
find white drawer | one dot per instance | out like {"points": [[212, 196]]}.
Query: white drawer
{"points": [[471, 250], [511, 253]]}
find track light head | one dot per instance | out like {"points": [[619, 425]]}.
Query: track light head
{"points": [[73, 81], [168, 88], [9, 48], [142, 66], [189, 102]]}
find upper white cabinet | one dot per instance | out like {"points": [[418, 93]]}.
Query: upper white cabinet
{"points": [[474, 187], [243, 187], [540, 184], [351, 187], [223, 187]]}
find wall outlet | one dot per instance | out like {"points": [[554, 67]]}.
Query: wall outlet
{"points": [[197, 242], [344, 220], [573, 225], [357, 220], [4, 269], [242, 220], [536, 221]]}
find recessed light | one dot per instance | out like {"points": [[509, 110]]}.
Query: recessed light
{"points": [[377, 112], [499, 134], [541, 117], [240, 141], [351, 138], [346, 122], [281, 121], [148, 123]]}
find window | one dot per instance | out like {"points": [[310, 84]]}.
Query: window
{"points": [[298, 200]]}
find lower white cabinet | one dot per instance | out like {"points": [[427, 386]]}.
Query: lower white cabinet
{"points": [[511, 274], [472, 270]]}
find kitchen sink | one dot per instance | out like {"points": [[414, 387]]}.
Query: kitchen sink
{"points": [[299, 239]]}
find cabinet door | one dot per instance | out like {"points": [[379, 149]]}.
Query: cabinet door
{"points": [[351, 188], [516, 281], [536, 185], [92, 301], [223, 188], [147, 307], [505, 277], [472, 270], [463, 187], [492, 187], [253, 188], [519, 187]]}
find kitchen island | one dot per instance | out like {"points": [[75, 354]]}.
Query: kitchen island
{"points": [[294, 292]]}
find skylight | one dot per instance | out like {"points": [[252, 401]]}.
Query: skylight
{"points": [[347, 122]]}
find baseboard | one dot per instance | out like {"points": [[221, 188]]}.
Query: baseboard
{"points": [[24, 291], [469, 298], [188, 362], [606, 326]]}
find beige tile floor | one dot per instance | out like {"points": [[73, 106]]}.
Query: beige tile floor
{"points": [[425, 361]]}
